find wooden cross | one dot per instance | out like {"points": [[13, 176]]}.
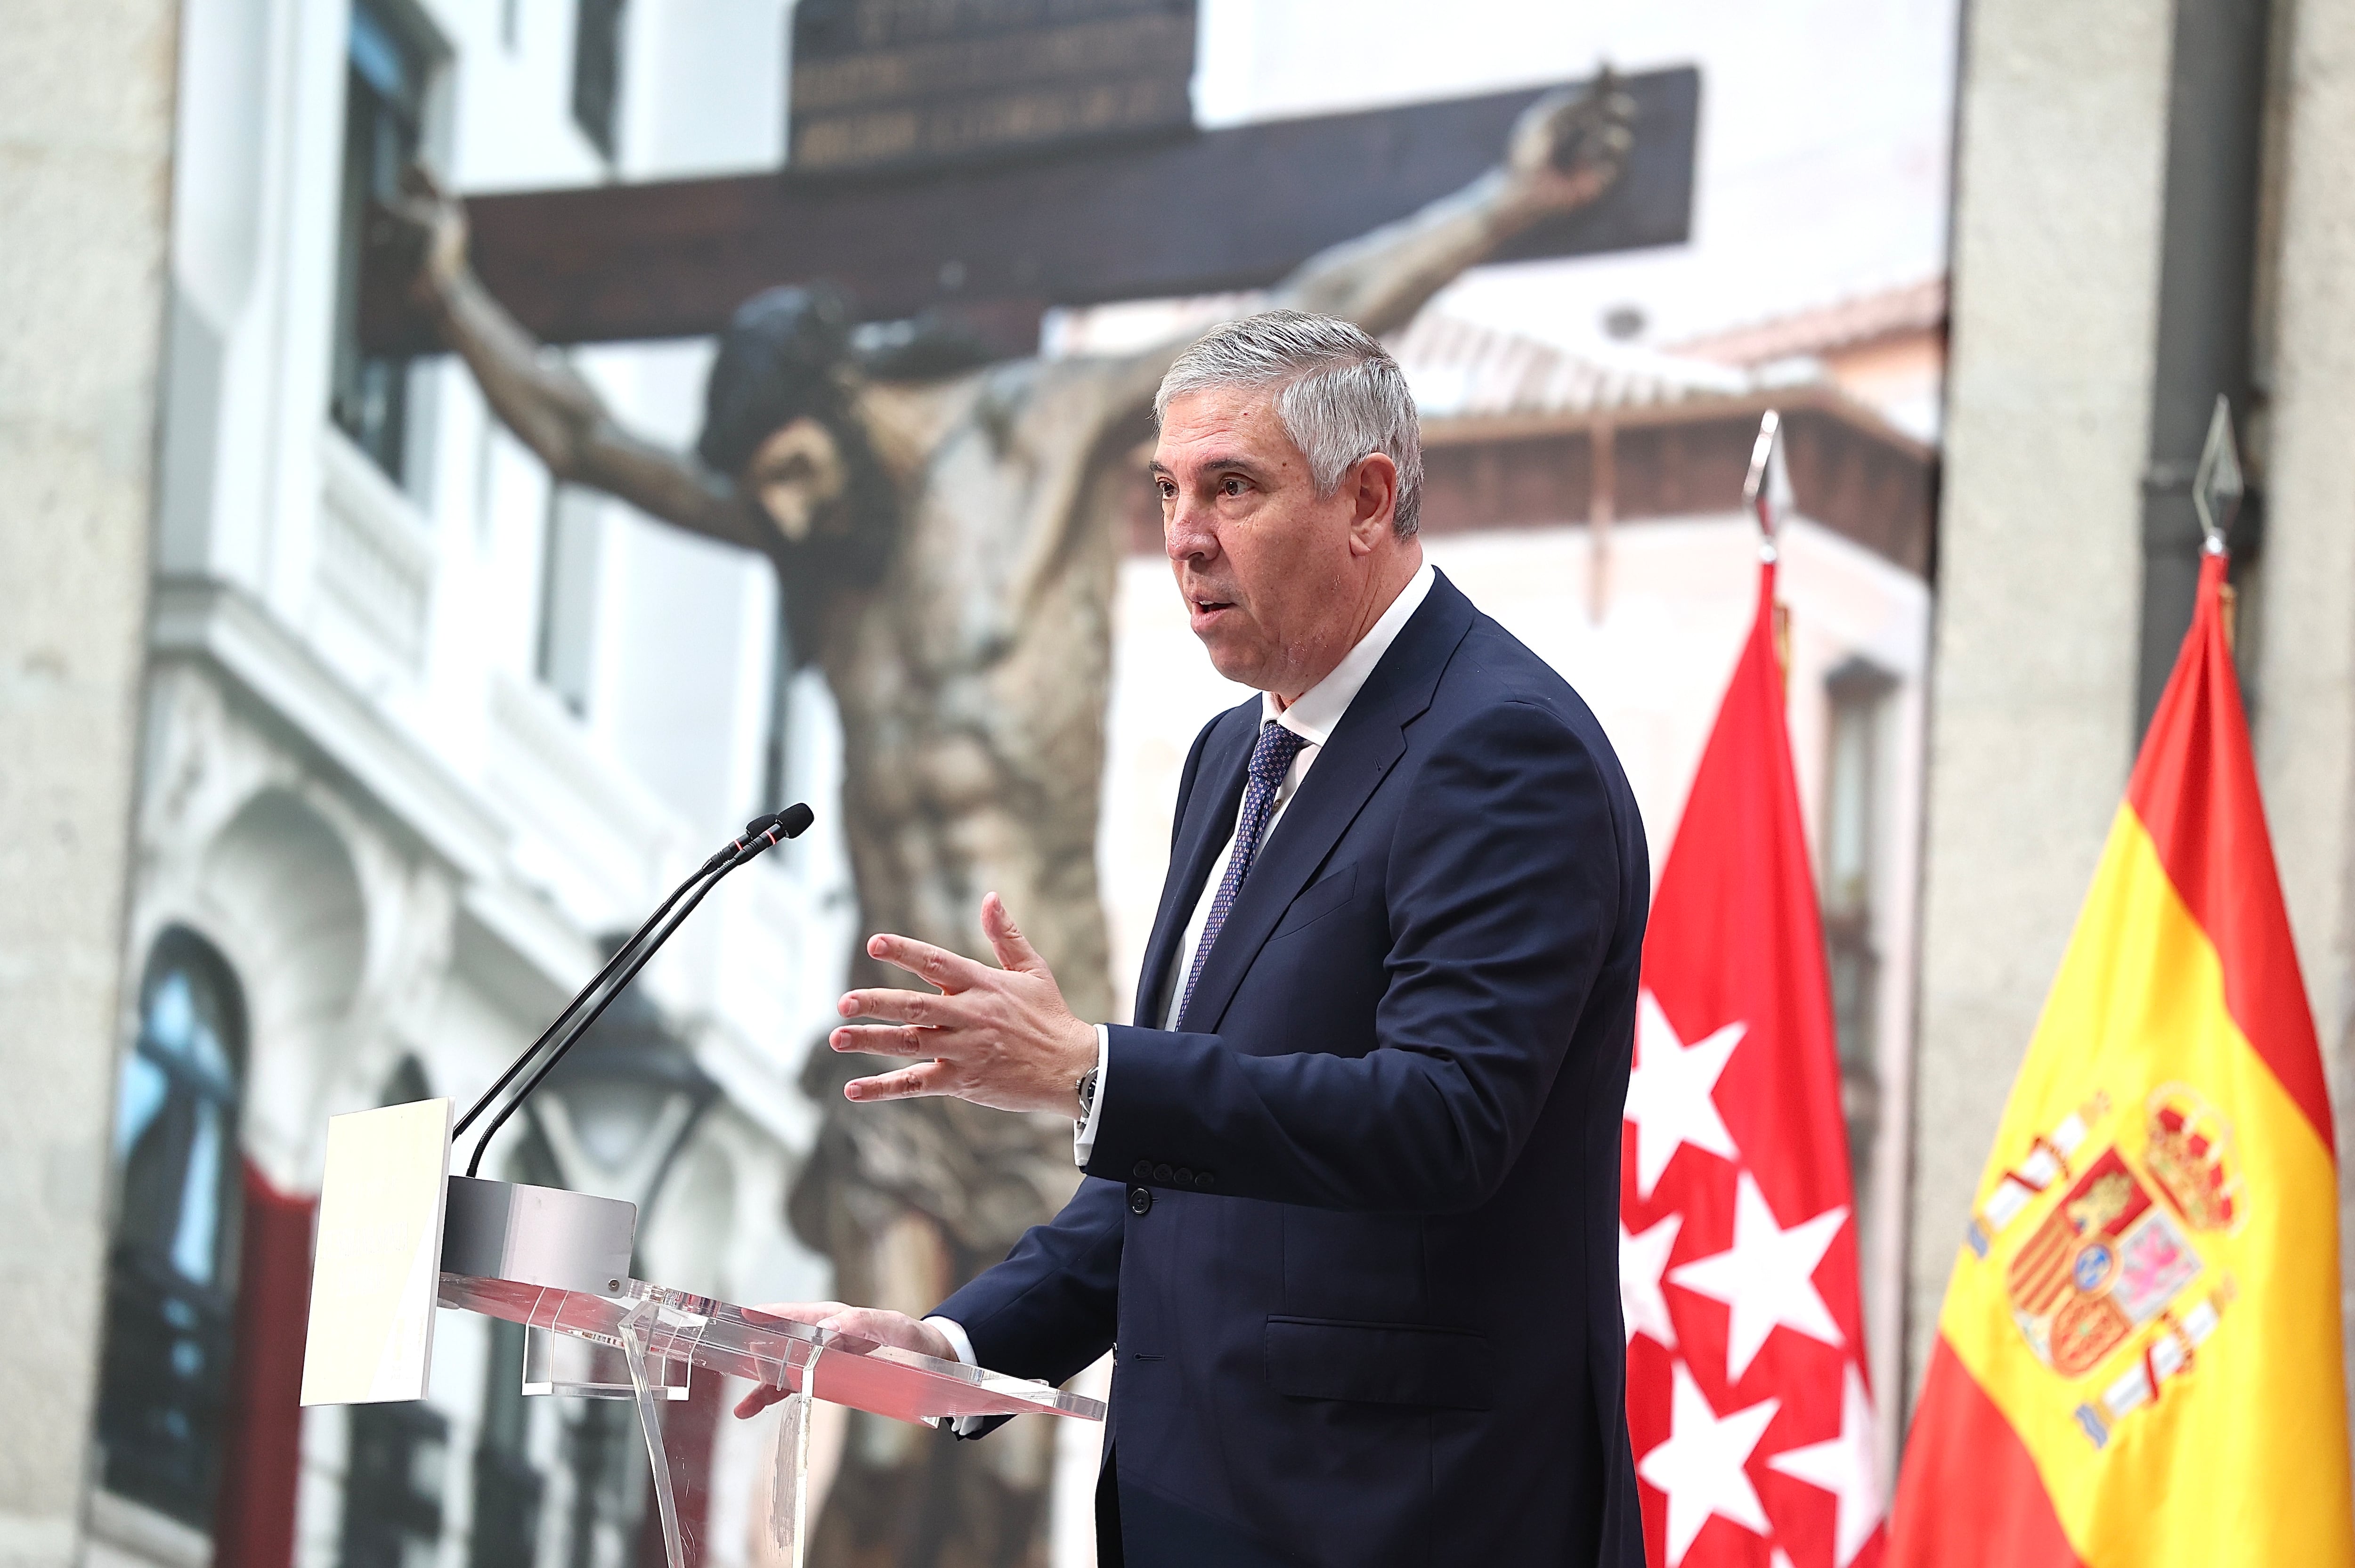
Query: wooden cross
{"points": [[993, 243]]}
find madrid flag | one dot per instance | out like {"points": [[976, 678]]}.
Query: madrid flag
{"points": [[1748, 1403], [2138, 1359]]}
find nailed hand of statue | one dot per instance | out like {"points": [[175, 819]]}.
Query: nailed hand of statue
{"points": [[426, 228], [1570, 146], [1001, 1038]]}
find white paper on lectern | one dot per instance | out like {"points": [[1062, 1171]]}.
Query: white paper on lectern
{"points": [[379, 1265]]}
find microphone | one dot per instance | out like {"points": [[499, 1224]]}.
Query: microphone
{"points": [[761, 835], [752, 831]]}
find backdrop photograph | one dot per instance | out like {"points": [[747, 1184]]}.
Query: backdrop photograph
{"points": [[476, 455]]}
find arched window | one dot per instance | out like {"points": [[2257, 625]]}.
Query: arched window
{"points": [[172, 1274]]}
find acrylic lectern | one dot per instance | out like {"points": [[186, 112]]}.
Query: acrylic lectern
{"points": [[399, 1236]]}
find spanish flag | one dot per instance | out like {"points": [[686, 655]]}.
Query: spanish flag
{"points": [[2137, 1362]]}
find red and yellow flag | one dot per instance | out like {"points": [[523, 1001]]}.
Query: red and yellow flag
{"points": [[2138, 1359]]}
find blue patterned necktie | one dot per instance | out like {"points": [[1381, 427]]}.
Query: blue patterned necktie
{"points": [[1270, 760]]}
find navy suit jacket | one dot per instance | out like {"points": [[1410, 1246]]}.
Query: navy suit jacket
{"points": [[1352, 1229]]}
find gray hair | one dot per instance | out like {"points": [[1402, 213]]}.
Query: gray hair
{"points": [[1343, 397]]}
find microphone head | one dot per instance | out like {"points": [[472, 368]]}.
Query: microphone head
{"points": [[795, 819], [760, 825]]}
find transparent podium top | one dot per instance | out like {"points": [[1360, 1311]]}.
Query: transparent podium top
{"points": [[675, 1328], [640, 1343]]}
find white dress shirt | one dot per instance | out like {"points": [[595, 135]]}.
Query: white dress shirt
{"points": [[1313, 717]]}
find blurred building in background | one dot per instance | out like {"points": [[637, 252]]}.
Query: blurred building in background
{"points": [[421, 732]]}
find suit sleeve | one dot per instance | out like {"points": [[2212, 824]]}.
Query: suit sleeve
{"points": [[1048, 1310], [1505, 896]]}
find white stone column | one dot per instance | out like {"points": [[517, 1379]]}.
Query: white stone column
{"points": [[2305, 629], [86, 125], [2063, 149]]}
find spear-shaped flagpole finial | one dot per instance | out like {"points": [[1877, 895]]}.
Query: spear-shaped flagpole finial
{"points": [[1767, 489], [2217, 485]]}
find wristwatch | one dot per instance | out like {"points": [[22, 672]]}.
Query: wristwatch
{"points": [[1087, 1092]]}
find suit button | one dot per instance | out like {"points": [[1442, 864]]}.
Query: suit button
{"points": [[1202, 1181], [1185, 1177], [1140, 1200], [1144, 1171], [1163, 1174]]}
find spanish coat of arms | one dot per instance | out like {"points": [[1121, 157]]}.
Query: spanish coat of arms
{"points": [[2115, 1254]]}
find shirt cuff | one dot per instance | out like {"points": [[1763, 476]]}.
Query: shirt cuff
{"points": [[1083, 1134], [961, 1343], [959, 1340]]}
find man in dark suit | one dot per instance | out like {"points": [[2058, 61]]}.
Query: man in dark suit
{"points": [[1350, 1217]]}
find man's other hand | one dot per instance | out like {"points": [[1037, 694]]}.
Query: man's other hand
{"points": [[870, 1323], [1001, 1038]]}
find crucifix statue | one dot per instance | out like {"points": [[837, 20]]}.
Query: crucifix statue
{"points": [[945, 536]]}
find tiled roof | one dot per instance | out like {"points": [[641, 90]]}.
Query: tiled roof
{"points": [[1844, 324], [1460, 369]]}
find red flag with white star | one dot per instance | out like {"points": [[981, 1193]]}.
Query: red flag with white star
{"points": [[1749, 1404]]}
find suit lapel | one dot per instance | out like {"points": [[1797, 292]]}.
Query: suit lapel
{"points": [[1366, 744], [1207, 820]]}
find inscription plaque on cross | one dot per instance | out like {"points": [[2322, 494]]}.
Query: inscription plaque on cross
{"points": [[946, 530], [878, 84]]}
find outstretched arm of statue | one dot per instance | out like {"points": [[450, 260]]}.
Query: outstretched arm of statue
{"points": [[541, 397], [1566, 149]]}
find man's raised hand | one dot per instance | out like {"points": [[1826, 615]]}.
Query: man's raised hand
{"points": [[998, 1037]]}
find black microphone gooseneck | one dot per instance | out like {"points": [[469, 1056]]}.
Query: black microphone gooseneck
{"points": [[761, 835], [757, 825]]}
